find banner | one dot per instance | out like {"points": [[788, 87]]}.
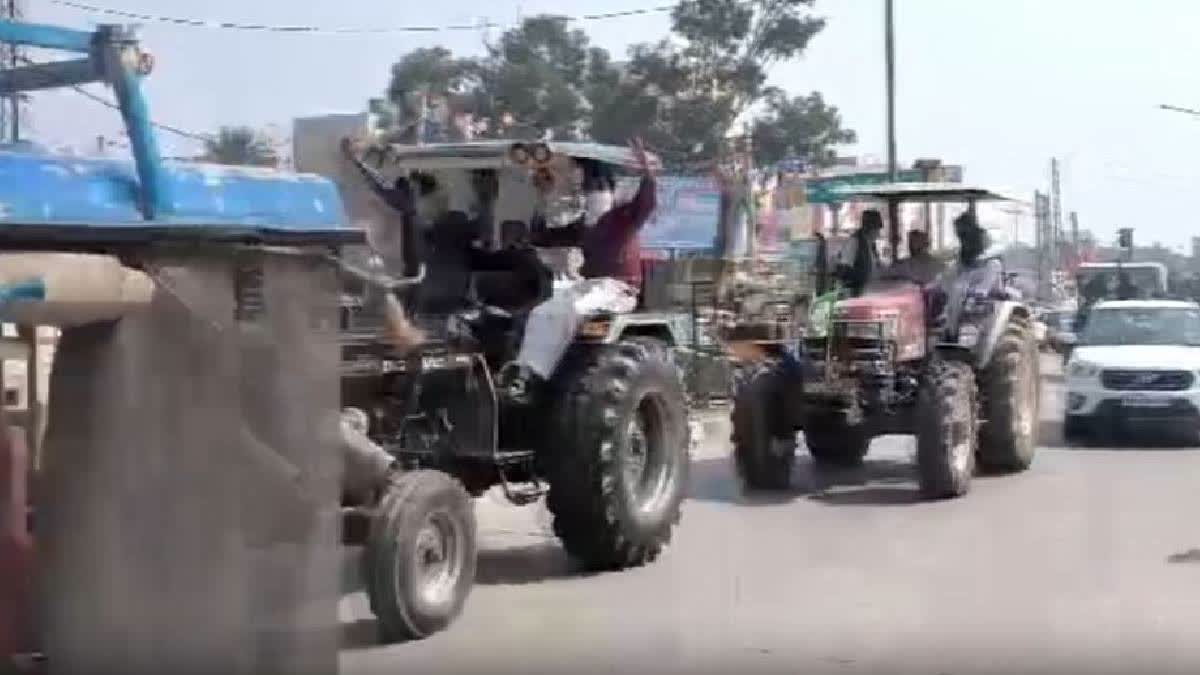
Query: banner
{"points": [[687, 216]]}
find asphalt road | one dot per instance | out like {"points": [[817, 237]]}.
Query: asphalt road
{"points": [[1090, 561]]}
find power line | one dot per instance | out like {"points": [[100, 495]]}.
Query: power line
{"points": [[110, 104], [321, 30]]}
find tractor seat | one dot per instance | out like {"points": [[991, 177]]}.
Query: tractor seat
{"points": [[513, 291]]}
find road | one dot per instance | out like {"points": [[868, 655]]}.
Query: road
{"points": [[1088, 561]]}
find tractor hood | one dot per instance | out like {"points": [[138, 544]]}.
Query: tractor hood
{"points": [[900, 299]]}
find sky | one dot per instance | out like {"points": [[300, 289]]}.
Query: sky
{"points": [[998, 87]]}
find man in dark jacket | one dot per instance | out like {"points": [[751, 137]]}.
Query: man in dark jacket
{"points": [[858, 261]]}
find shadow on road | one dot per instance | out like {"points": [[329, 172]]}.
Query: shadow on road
{"points": [[360, 634], [1051, 435], [528, 564], [1192, 556], [876, 482]]}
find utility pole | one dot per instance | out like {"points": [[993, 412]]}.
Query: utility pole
{"points": [[893, 168], [10, 116], [1075, 253], [1055, 239], [1042, 233], [422, 115]]}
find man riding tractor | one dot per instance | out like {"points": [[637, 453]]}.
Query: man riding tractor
{"points": [[953, 363]]}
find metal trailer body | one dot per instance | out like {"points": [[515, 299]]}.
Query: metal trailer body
{"points": [[187, 499]]}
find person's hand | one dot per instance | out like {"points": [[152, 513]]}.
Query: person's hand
{"points": [[641, 157]]}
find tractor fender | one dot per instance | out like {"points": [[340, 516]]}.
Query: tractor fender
{"points": [[660, 327], [1005, 312]]}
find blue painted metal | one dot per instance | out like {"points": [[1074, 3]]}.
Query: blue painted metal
{"points": [[43, 189], [44, 192], [155, 195], [28, 290], [48, 37]]}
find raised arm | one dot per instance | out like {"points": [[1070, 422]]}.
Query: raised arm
{"points": [[636, 213]]}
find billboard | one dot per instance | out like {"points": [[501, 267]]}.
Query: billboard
{"points": [[687, 216]]}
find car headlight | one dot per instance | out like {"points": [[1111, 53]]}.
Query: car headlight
{"points": [[1082, 369]]}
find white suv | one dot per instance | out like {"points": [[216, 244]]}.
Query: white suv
{"points": [[1137, 363]]}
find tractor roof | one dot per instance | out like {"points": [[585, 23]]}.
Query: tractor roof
{"points": [[499, 154], [923, 192]]}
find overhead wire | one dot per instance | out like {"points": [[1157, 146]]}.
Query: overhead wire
{"points": [[323, 30], [113, 105]]}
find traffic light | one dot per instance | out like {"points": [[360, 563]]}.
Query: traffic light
{"points": [[1125, 238]]}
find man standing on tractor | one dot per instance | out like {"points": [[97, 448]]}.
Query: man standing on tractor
{"points": [[858, 261], [609, 278], [972, 271]]}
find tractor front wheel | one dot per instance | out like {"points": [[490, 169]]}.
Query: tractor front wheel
{"points": [[420, 555], [946, 429]]}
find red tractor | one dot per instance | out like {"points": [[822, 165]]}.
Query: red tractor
{"points": [[954, 364]]}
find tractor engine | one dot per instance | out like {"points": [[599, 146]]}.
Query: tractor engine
{"points": [[874, 348]]}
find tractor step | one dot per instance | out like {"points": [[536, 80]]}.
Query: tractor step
{"points": [[528, 493]]}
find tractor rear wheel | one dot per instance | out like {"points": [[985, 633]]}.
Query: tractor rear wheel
{"points": [[1011, 393], [617, 463]]}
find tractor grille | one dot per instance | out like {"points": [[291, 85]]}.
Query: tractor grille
{"points": [[1147, 380]]}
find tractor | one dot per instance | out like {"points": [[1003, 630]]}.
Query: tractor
{"points": [[954, 364], [605, 441]]}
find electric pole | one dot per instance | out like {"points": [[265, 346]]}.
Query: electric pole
{"points": [[1042, 234], [1053, 243], [1075, 253], [893, 168], [10, 112]]}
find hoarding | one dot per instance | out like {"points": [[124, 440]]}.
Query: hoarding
{"points": [[687, 216]]}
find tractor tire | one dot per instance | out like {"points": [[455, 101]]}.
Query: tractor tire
{"points": [[763, 453], [419, 561], [947, 434], [617, 462], [1011, 392], [840, 447]]}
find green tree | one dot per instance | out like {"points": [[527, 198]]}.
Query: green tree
{"points": [[425, 71], [546, 76], [687, 94], [241, 146], [684, 95], [803, 126]]}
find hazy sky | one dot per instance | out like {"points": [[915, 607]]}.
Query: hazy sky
{"points": [[999, 87]]}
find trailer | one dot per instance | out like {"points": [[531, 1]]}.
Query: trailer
{"points": [[187, 502]]}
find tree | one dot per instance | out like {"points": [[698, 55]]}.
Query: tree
{"points": [[683, 95], [240, 146], [690, 93], [546, 76], [429, 71], [803, 126]]}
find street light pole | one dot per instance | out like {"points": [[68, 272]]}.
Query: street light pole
{"points": [[893, 169]]}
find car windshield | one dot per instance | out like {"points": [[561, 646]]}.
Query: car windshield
{"points": [[1143, 326]]}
